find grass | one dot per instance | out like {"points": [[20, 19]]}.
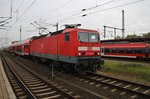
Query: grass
{"points": [[132, 71]]}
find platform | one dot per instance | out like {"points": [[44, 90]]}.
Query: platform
{"points": [[6, 91]]}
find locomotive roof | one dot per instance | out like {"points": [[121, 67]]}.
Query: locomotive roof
{"points": [[126, 40], [45, 35], [59, 32]]}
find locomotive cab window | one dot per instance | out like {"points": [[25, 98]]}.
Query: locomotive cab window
{"points": [[93, 37], [67, 36], [88, 37]]}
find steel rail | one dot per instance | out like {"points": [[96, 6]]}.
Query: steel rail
{"points": [[119, 81], [29, 93], [45, 81]]}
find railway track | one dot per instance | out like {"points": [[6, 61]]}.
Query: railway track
{"points": [[29, 85], [45, 71], [104, 85], [131, 89]]}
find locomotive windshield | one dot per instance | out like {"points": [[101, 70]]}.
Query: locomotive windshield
{"points": [[88, 37]]}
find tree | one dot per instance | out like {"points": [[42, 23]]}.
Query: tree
{"points": [[132, 36], [147, 35], [118, 37]]}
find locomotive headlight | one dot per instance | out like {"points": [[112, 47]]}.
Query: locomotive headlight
{"points": [[79, 54], [97, 53]]}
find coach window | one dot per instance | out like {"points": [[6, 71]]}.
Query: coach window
{"points": [[67, 36], [139, 51], [113, 50]]}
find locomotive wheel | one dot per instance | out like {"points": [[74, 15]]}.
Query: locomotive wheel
{"points": [[76, 67], [99, 67], [35, 60], [93, 68], [65, 67], [58, 66]]}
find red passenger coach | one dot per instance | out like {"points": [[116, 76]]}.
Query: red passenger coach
{"points": [[20, 47], [71, 47], [132, 48]]}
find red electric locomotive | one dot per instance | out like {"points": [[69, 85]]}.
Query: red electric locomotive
{"points": [[70, 48], [129, 48]]}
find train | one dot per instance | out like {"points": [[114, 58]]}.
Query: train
{"points": [[71, 48], [137, 48]]}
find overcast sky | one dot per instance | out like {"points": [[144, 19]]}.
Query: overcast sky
{"points": [[98, 13]]}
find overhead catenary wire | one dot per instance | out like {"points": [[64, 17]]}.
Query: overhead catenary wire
{"points": [[113, 17], [105, 3], [77, 12], [135, 23], [17, 10], [126, 4], [38, 26], [4, 24], [85, 9], [115, 7], [27, 9], [63, 14], [57, 8], [5, 19], [77, 15], [60, 7], [20, 4]]}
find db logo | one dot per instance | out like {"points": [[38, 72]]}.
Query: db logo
{"points": [[42, 46]]}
